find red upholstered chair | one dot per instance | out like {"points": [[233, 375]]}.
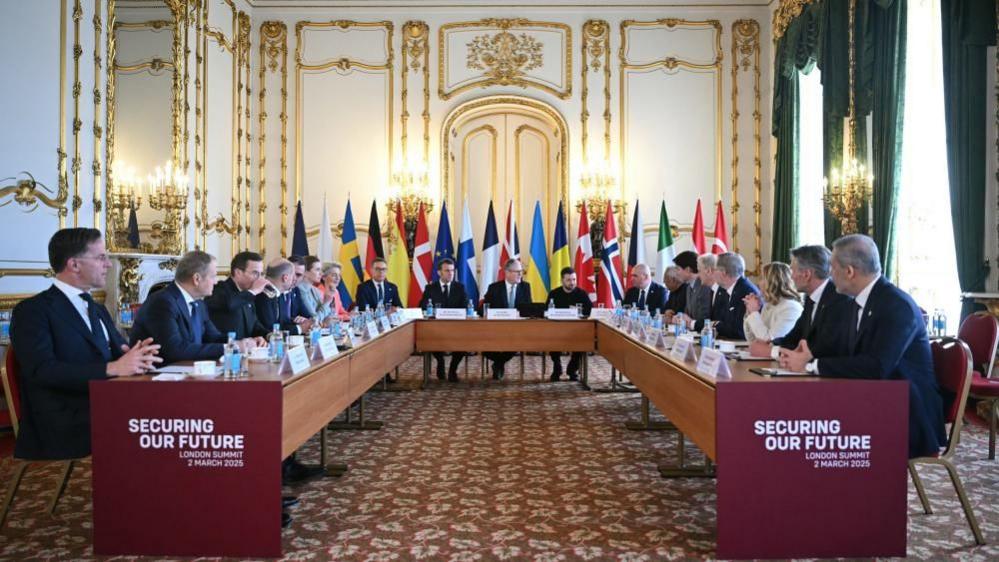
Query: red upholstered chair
{"points": [[11, 387], [981, 332], [952, 365]]}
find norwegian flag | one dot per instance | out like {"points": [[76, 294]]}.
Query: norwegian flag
{"points": [[423, 260], [511, 243], [720, 245], [609, 288], [583, 262]]}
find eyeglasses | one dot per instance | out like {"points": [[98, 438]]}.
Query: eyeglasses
{"points": [[515, 270], [380, 269], [101, 257]]}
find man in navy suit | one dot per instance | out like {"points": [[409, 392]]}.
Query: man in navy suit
{"points": [[63, 339], [232, 303], [727, 308], [644, 292], [377, 289], [886, 339], [509, 293], [176, 316], [285, 309], [446, 293], [821, 324]]}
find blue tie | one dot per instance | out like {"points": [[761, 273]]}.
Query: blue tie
{"points": [[197, 324], [95, 325], [381, 296]]}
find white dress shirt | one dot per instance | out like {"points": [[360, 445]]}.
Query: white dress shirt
{"points": [[188, 299], [511, 294], [73, 294], [816, 296], [861, 299], [775, 321]]}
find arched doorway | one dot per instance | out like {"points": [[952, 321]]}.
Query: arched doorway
{"points": [[503, 149]]}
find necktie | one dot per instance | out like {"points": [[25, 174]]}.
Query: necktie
{"points": [[641, 299], [809, 310], [446, 287], [95, 325], [852, 328], [287, 306], [381, 294], [197, 324], [511, 298]]}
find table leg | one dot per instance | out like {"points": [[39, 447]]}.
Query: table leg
{"points": [[683, 470], [646, 424], [615, 385], [361, 423], [584, 380], [335, 469]]}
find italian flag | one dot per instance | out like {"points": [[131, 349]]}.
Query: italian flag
{"points": [[665, 250]]}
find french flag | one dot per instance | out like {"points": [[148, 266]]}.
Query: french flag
{"points": [[490, 250], [466, 256]]}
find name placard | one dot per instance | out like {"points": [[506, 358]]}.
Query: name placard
{"points": [[601, 313], [683, 350], [562, 314], [412, 314], [503, 314], [351, 337], [296, 360], [713, 363], [384, 324], [450, 313], [327, 348], [395, 319], [660, 342], [372, 329]]}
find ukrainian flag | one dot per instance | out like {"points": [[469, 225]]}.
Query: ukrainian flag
{"points": [[560, 248], [349, 255], [537, 270]]}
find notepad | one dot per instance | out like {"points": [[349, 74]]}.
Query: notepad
{"points": [[768, 372]]}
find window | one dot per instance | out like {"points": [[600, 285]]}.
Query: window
{"points": [[811, 217], [926, 261]]}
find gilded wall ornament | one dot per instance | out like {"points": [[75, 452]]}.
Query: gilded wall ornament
{"points": [[504, 57], [26, 192]]}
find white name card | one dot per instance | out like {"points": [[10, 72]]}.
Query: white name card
{"points": [[395, 319], [683, 350], [327, 348], [372, 329], [660, 339], [295, 360], [562, 314], [713, 363], [601, 313], [450, 313], [412, 314], [503, 314], [351, 337], [384, 324]]}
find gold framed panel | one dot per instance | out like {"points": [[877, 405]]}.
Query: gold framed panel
{"points": [[502, 25], [345, 65], [273, 56], [494, 164], [746, 55], [415, 58], [596, 56]]}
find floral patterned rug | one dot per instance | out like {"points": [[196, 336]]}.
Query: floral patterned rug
{"points": [[521, 469]]}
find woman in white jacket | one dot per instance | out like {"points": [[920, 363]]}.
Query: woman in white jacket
{"points": [[783, 305]]}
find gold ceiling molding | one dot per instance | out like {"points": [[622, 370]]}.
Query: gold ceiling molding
{"points": [[596, 56], [671, 63], [500, 103], [344, 65], [504, 57], [77, 122], [95, 166], [27, 192], [785, 14], [155, 25], [27, 272], [746, 55], [415, 57], [273, 58]]}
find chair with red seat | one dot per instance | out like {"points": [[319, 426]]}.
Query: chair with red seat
{"points": [[981, 332], [11, 387], [952, 366]]}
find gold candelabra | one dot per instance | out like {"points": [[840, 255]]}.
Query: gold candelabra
{"points": [[409, 187], [124, 196], [168, 193], [849, 189], [598, 182]]}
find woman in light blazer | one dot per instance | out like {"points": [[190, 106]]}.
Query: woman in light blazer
{"points": [[331, 286], [783, 305], [317, 304]]}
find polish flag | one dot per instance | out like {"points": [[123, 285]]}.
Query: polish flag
{"points": [[583, 262], [720, 245], [423, 261]]}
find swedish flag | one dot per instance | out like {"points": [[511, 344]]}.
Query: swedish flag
{"points": [[349, 255]]}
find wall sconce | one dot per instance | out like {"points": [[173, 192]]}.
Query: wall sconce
{"points": [[409, 188], [598, 182]]}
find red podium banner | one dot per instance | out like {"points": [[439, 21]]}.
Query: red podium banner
{"points": [[812, 469], [190, 468]]}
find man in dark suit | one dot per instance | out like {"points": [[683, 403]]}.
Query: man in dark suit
{"points": [[175, 316], [645, 293], [446, 293], [286, 308], [62, 340], [378, 289], [677, 301], [509, 293], [821, 324], [728, 310], [569, 296], [231, 304], [886, 339]]}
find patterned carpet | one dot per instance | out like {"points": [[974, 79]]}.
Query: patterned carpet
{"points": [[508, 471]]}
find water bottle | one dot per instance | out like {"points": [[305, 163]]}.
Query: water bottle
{"points": [[708, 336], [470, 311], [231, 357], [936, 322], [943, 322], [275, 344], [657, 322], [337, 332], [430, 309], [5, 326], [125, 314], [314, 336], [551, 306], [380, 311]]}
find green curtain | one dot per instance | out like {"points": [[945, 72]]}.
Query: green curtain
{"points": [[888, 27], [969, 27]]}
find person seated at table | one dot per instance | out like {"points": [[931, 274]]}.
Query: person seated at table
{"points": [[701, 291], [674, 280], [317, 303], [285, 308], [446, 293], [508, 293], [332, 275], [569, 296], [783, 305], [232, 304], [175, 316], [821, 321], [645, 293], [377, 289], [728, 308], [886, 340], [63, 339]]}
